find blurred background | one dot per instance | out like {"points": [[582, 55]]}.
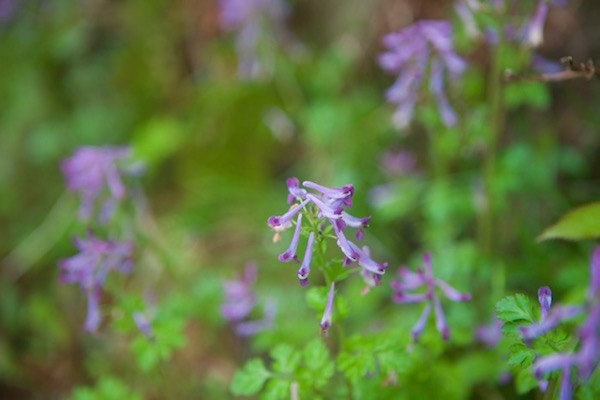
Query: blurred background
{"points": [[163, 77]]}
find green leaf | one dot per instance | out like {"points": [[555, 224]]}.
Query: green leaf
{"points": [[525, 381], [285, 359], [250, 379], [532, 94], [316, 360], [521, 356], [580, 223], [276, 389], [515, 308]]}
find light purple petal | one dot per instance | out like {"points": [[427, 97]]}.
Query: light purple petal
{"points": [[290, 253], [305, 268], [545, 299], [328, 313], [440, 319], [419, 327]]}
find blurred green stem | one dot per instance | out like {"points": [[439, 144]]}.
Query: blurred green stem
{"points": [[487, 224], [41, 240]]}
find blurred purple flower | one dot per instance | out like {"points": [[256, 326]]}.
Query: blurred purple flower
{"points": [[7, 10], [490, 334], [248, 18], [240, 301], [329, 204], [90, 268], [533, 31], [409, 53], [410, 281], [551, 317], [143, 324], [398, 163], [92, 172]]}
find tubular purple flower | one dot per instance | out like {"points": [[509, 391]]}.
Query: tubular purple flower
{"points": [[141, 321], [556, 316], [305, 268], [92, 320], [290, 253], [551, 363], [287, 217], [250, 328], [332, 193], [328, 313], [239, 295], [296, 193], [343, 243], [545, 299], [440, 319], [325, 210], [419, 327], [490, 334], [595, 274], [535, 30], [92, 173], [410, 281], [355, 222], [90, 268], [408, 54], [452, 293]]}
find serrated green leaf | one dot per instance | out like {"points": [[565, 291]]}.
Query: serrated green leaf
{"points": [[515, 308], [316, 355], [521, 356], [250, 379], [578, 224], [276, 389], [285, 359]]}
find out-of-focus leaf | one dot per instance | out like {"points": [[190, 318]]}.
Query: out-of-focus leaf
{"points": [[157, 140], [515, 308], [532, 94], [285, 359], [580, 223], [250, 379]]}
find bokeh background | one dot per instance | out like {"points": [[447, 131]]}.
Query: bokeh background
{"points": [[161, 76]]}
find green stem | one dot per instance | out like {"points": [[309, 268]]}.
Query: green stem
{"points": [[487, 223]]}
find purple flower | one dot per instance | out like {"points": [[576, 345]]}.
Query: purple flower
{"points": [[409, 53], [490, 334], [327, 205], [251, 20], [550, 317], [588, 354], [93, 174], [90, 268], [143, 324], [239, 295], [240, 301], [398, 163], [328, 313], [410, 281]]}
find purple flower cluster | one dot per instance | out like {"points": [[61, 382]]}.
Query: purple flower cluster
{"points": [[90, 268], [93, 174], [551, 317], [424, 278], [586, 359], [248, 18], [328, 205], [410, 52], [240, 300]]}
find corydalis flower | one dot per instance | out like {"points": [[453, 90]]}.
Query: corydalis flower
{"points": [[328, 313], [534, 30], [586, 359], [240, 301], [90, 269], [551, 317], [143, 323], [93, 174], [249, 18], [410, 52], [410, 281], [327, 205]]}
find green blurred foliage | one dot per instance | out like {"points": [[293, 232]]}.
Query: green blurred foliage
{"points": [[161, 76]]}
